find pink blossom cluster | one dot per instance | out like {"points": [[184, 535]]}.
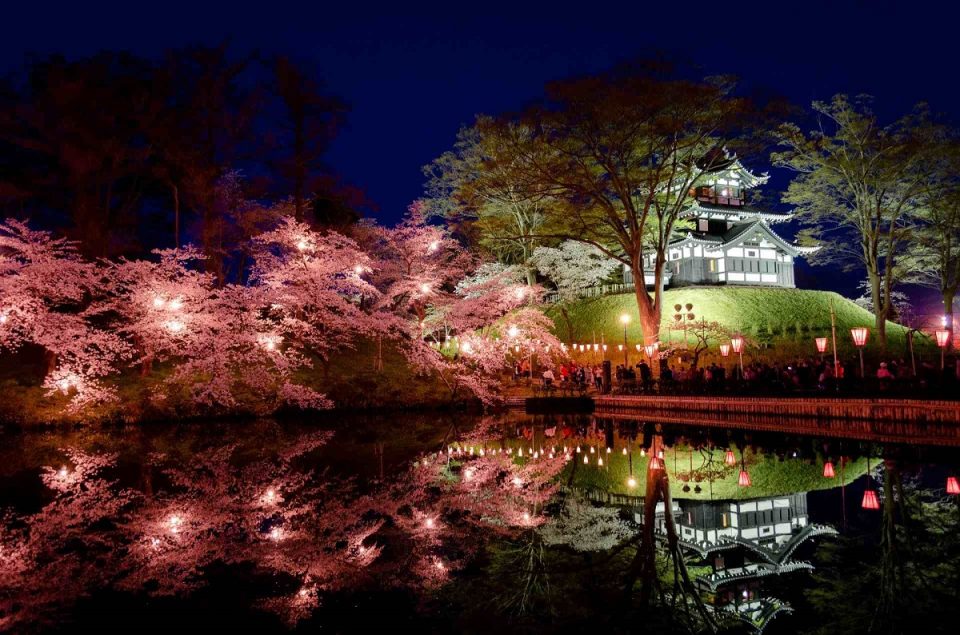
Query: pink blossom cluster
{"points": [[309, 294]]}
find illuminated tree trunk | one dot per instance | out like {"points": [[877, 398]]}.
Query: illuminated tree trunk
{"points": [[649, 307]]}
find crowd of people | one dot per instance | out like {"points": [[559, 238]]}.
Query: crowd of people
{"points": [[800, 375]]}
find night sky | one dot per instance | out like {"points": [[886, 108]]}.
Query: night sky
{"points": [[414, 75]]}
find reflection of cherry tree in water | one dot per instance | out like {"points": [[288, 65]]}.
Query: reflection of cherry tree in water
{"points": [[310, 534], [45, 558]]}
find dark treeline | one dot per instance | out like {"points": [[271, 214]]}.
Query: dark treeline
{"points": [[127, 154]]}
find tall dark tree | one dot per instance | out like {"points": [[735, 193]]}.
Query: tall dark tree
{"points": [[858, 189], [310, 122], [614, 159], [75, 133], [936, 248], [215, 105]]}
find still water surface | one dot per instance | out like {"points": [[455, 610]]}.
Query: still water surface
{"points": [[441, 523]]}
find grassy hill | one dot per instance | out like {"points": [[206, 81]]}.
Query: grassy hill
{"points": [[780, 320]]}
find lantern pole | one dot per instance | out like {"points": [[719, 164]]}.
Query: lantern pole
{"points": [[625, 319], [833, 331]]}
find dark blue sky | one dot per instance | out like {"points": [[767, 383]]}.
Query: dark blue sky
{"points": [[414, 74]]}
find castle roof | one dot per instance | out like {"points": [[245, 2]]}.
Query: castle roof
{"points": [[757, 230], [700, 209], [724, 164]]}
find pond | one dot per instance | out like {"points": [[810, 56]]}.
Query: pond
{"points": [[443, 523]]}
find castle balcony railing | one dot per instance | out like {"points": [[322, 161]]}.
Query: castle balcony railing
{"points": [[731, 201]]}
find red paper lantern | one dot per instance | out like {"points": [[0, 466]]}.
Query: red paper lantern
{"points": [[737, 342], [730, 459], [724, 349], [744, 480], [821, 344], [655, 463], [943, 338], [859, 335], [870, 500], [952, 486], [828, 470]]}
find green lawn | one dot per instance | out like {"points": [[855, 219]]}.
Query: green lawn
{"points": [[781, 320]]}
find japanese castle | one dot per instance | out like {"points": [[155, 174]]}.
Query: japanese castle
{"points": [[728, 241]]}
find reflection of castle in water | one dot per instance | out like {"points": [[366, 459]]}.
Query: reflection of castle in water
{"points": [[740, 542]]}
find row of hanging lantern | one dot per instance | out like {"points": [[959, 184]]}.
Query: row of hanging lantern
{"points": [[649, 349], [860, 334]]}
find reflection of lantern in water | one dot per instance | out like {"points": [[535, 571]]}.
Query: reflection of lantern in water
{"points": [[952, 486], [828, 470], [730, 459], [870, 500]]}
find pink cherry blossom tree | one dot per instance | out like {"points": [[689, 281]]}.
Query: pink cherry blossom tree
{"points": [[432, 291], [46, 295]]}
